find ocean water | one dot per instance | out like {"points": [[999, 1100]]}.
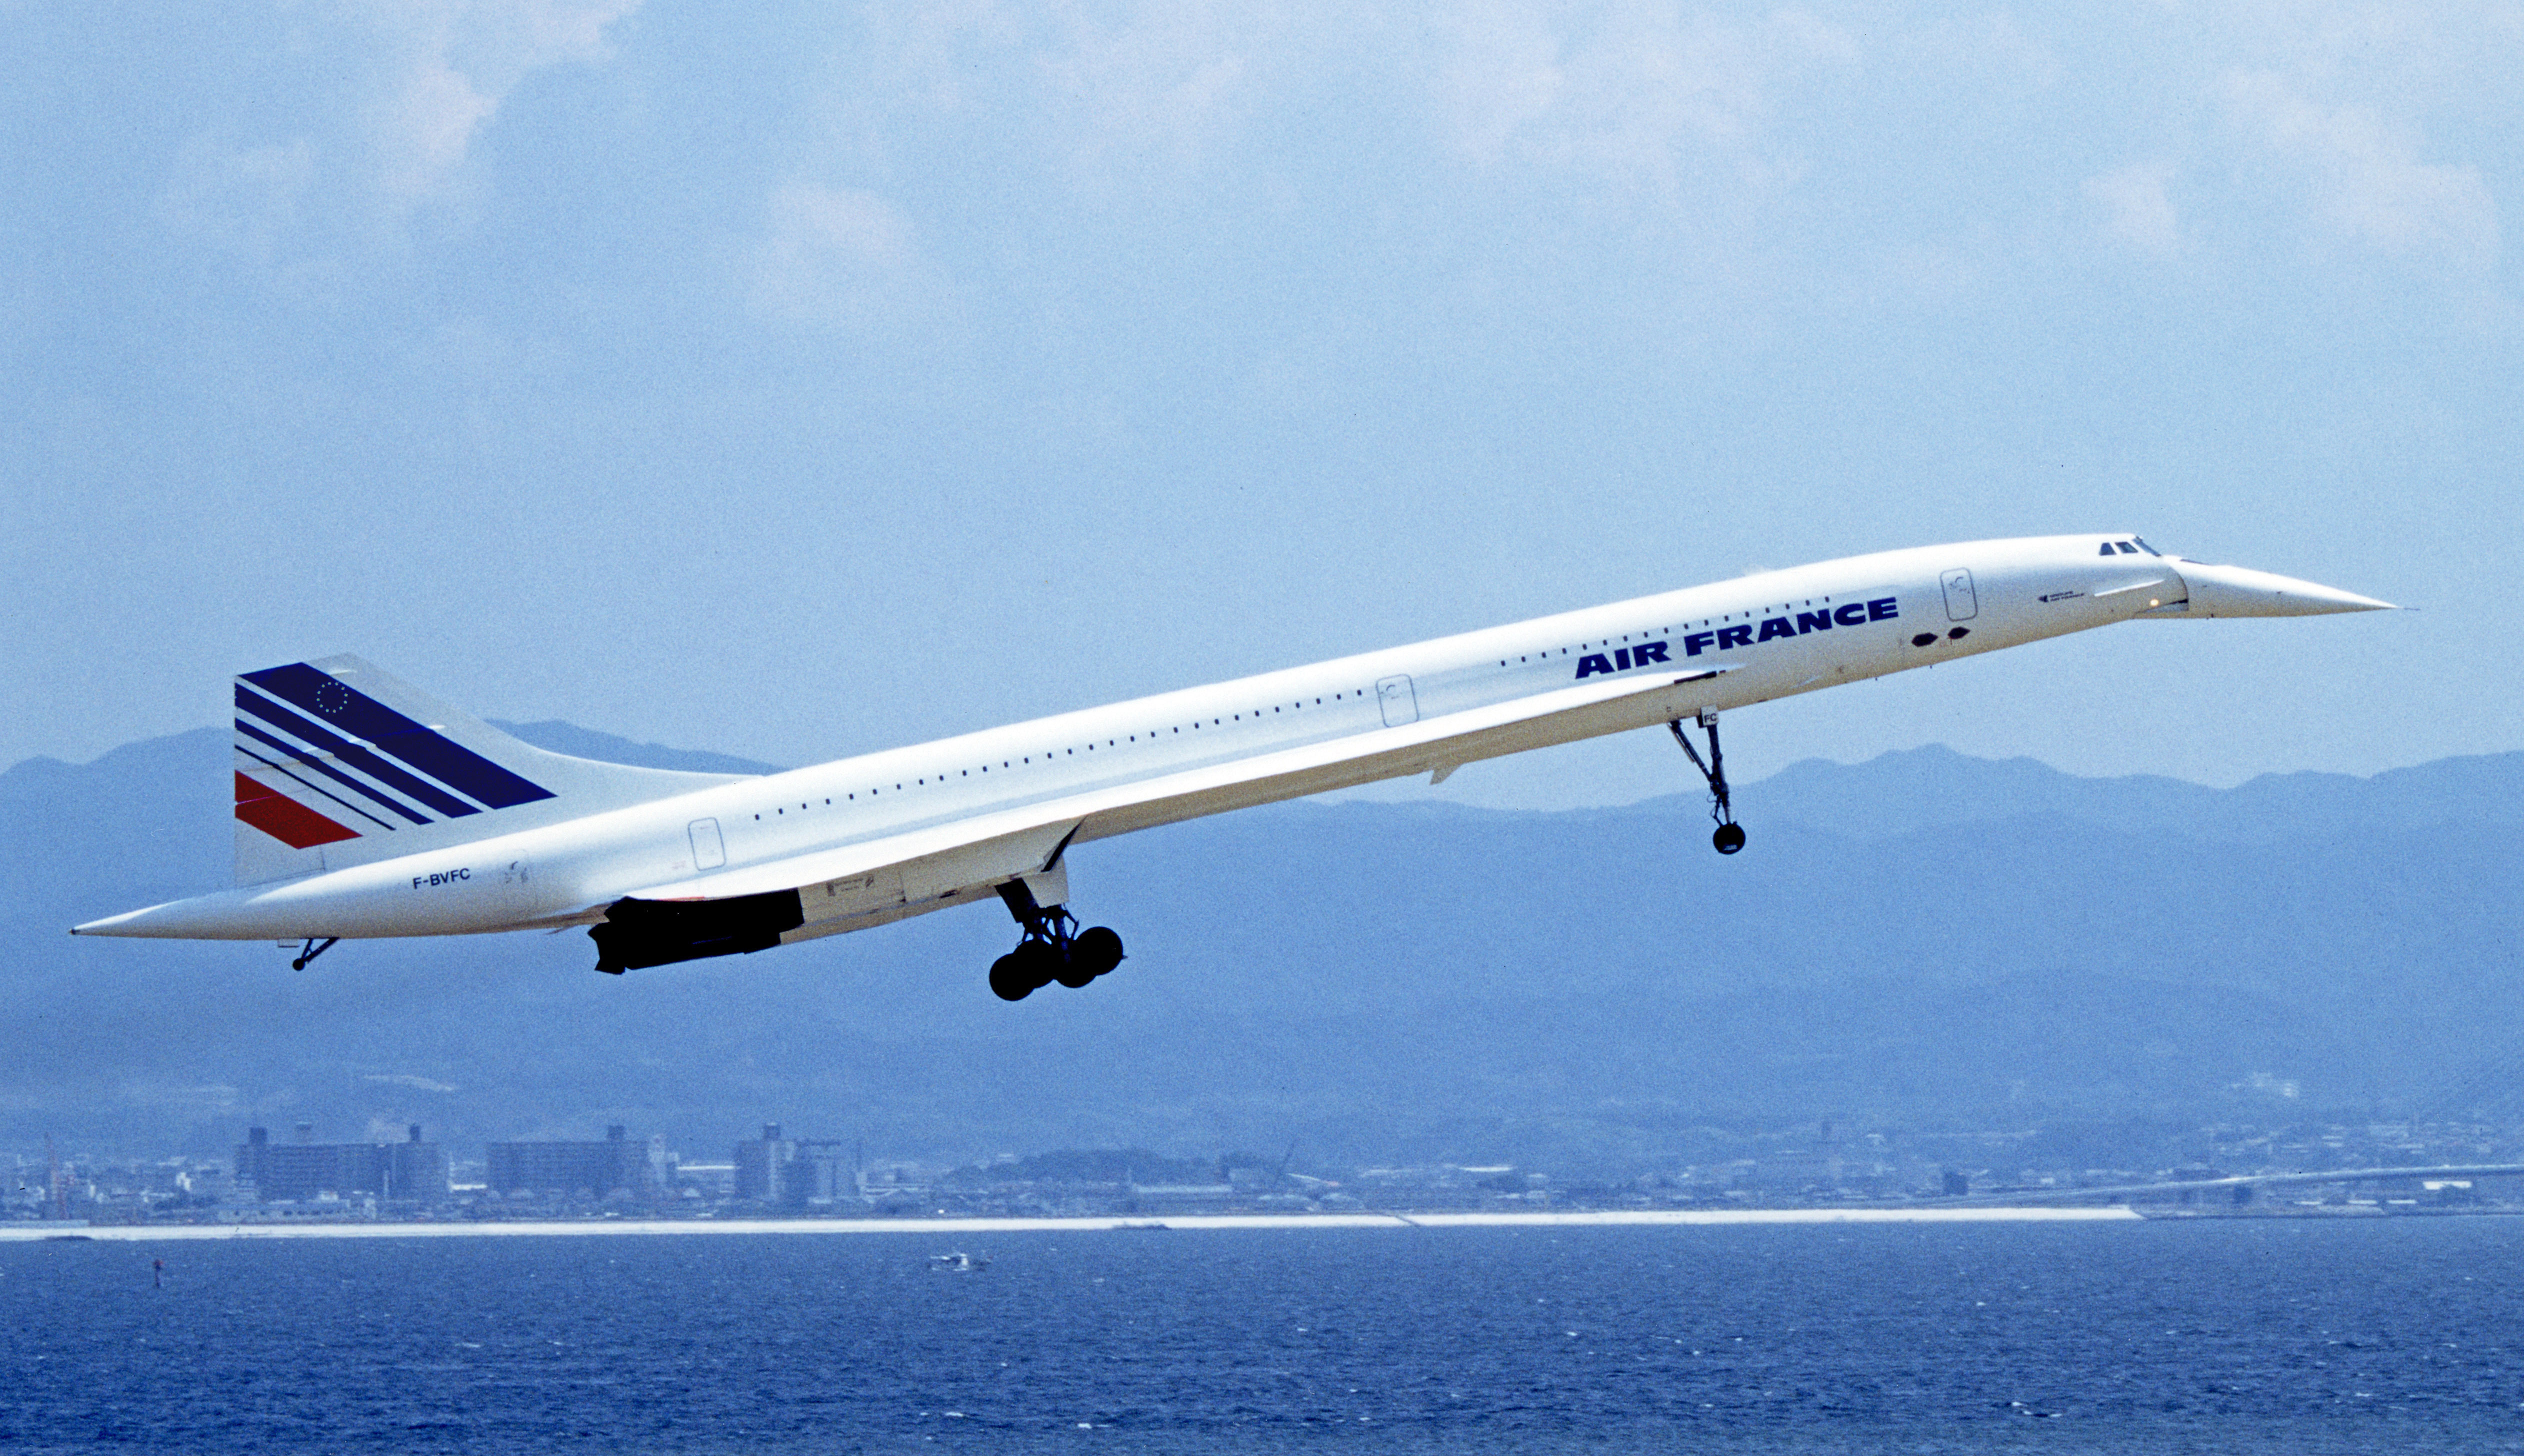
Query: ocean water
{"points": [[2229, 1336]]}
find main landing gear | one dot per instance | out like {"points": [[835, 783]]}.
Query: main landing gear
{"points": [[311, 950], [1730, 835], [1054, 948]]}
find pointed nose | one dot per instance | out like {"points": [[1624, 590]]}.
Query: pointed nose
{"points": [[2241, 591]]}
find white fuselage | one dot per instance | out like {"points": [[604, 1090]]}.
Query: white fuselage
{"points": [[1846, 620]]}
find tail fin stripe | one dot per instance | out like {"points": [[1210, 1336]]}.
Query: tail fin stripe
{"points": [[286, 820], [340, 764], [314, 788], [294, 756], [353, 755], [432, 753], [444, 758]]}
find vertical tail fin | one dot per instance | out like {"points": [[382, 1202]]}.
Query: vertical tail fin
{"points": [[339, 764]]}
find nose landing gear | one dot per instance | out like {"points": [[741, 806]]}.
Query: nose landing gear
{"points": [[1054, 948], [1729, 836]]}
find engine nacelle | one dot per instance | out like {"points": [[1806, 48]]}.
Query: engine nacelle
{"points": [[639, 933]]}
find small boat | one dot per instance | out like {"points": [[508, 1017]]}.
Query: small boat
{"points": [[957, 1264]]}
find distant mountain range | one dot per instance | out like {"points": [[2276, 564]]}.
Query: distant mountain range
{"points": [[1924, 939]]}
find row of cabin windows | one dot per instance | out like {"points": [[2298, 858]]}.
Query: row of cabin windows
{"points": [[1704, 622], [1339, 696], [1152, 735]]}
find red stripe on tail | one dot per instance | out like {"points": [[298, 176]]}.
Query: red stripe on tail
{"points": [[286, 820]]}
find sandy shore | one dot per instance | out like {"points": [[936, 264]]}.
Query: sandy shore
{"points": [[610, 1227]]}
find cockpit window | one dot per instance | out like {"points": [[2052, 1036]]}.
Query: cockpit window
{"points": [[2124, 547], [2144, 547]]}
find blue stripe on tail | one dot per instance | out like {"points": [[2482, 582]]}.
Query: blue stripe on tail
{"points": [[353, 755], [334, 702], [291, 755]]}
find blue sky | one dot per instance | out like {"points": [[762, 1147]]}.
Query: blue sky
{"points": [[792, 380]]}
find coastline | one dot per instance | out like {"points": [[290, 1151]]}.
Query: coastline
{"points": [[1188, 1222]]}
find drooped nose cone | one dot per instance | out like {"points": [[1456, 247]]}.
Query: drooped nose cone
{"points": [[2241, 591]]}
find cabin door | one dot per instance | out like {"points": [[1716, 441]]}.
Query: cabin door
{"points": [[1962, 603], [710, 852], [1394, 697]]}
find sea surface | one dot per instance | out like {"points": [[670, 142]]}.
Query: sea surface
{"points": [[2213, 1335]]}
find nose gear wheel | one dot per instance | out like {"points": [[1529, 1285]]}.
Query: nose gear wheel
{"points": [[1729, 836]]}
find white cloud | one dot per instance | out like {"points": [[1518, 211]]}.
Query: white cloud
{"points": [[2136, 210], [1504, 74], [397, 96], [1639, 97], [408, 1079], [1162, 88], [2363, 178], [839, 256], [1624, 93], [1119, 97], [199, 1103], [446, 66], [425, 127]]}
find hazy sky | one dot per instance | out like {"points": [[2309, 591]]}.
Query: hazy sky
{"points": [[796, 379]]}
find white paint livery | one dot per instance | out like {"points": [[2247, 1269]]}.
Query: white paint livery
{"points": [[871, 839]]}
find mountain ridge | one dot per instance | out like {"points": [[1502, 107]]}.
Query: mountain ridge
{"points": [[1922, 938]]}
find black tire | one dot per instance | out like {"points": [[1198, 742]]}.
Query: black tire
{"points": [[1037, 962], [1008, 980], [1097, 948], [1728, 838]]}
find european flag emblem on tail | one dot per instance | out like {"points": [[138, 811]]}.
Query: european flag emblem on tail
{"points": [[322, 762]]}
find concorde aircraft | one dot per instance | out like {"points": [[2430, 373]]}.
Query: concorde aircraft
{"points": [[367, 807]]}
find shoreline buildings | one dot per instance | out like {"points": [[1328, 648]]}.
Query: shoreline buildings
{"points": [[593, 1171], [411, 1171]]}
